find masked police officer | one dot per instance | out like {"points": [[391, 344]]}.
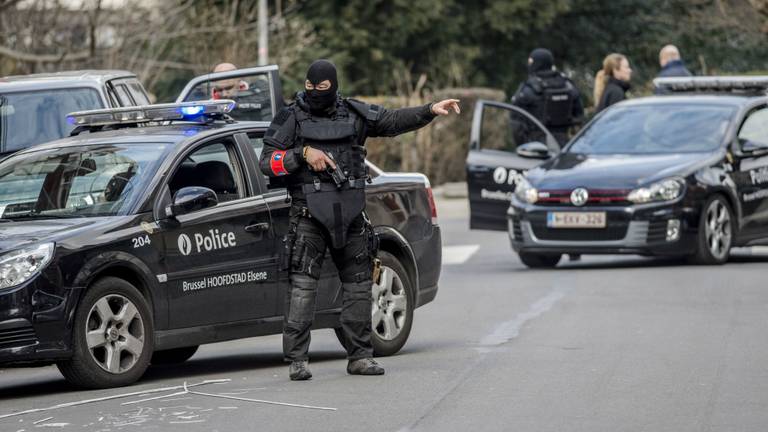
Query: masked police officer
{"points": [[315, 148], [549, 95]]}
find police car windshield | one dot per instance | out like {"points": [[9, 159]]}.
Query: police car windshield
{"points": [[102, 180], [653, 129], [34, 117]]}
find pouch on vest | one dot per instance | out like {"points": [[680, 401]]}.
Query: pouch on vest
{"points": [[335, 209]]}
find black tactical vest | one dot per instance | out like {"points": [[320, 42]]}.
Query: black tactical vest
{"points": [[338, 136], [556, 109], [334, 205]]}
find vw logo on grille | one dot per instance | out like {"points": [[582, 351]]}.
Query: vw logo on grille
{"points": [[579, 197]]}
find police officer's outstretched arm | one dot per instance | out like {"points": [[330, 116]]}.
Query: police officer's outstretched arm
{"points": [[387, 123]]}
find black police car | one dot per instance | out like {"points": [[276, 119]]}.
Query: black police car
{"points": [[137, 244], [684, 174]]}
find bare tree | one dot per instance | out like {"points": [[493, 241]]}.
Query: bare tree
{"points": [[157, 40]]}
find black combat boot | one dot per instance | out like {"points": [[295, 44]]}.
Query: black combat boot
{"points": [[365, 366], [298, 371]]}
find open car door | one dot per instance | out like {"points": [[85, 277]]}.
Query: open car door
{"points": [[493, 165], [257, 91]]}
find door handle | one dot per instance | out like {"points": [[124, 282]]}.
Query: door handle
{"points": [[259, 227]]}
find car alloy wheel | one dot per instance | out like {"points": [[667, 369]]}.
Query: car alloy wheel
{"points": [[115, 333], [113, 336], [390, 304], [718, 229]]}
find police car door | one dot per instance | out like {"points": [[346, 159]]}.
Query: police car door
{"points": [[493, 165], [751, 173], [256, 91], [220, 260]]}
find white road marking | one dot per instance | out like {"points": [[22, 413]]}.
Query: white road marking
{"points": [[754, 250], [453, 255], [107, 398], [509, 330]]}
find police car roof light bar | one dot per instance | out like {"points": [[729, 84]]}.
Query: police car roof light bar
{"points": [[714, 84], [202, 111]]}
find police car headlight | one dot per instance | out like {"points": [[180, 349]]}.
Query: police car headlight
{"points": [[525, 192], [19, 266], [665, 190]]}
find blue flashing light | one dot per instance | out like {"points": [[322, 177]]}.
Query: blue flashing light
{"points": [[71, 120], [192, 110]]}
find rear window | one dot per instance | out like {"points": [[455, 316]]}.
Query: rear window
{"points": [[35, 117]]}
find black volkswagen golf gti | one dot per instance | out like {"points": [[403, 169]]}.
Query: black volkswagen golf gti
{"points": [[136, 245], [684, 174]]}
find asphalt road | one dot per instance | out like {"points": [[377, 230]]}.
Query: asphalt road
{"points": [[604, 344]]}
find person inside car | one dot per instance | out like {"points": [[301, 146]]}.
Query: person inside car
{"points": [[228, 88]]}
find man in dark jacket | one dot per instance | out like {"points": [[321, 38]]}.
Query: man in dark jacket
{"points": [[315, 148], [671, 64], [549, 96]]}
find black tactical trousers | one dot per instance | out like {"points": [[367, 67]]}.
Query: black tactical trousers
{"points": [[354, 264]]}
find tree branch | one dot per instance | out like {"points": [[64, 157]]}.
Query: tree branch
{"points": [[43, 58]]}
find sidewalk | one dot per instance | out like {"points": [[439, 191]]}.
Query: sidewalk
{"points": [[451, 190]]}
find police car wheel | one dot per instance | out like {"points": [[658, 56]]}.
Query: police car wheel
{"points": [[539, 261], [715, 236], [173, 356], [113, 336]]}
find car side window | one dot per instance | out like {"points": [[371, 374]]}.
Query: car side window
{"points": [[506, 129], [113, 101], [138, 93], [755, 127], [257, 143], [213, 166], [122, 94]]}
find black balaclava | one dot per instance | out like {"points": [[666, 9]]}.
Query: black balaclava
{"points": [[319, 71], [543, 60]]}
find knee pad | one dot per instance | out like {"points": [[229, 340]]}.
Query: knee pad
{"points": [[301, 299]]}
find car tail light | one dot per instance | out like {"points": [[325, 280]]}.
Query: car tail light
{"points": [[432, 206]]}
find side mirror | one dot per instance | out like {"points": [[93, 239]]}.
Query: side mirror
{"points": [[192, 198], [753, 148], [533, 150]]}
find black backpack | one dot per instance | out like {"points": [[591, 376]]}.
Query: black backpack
{"points": [[558, 96]]}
